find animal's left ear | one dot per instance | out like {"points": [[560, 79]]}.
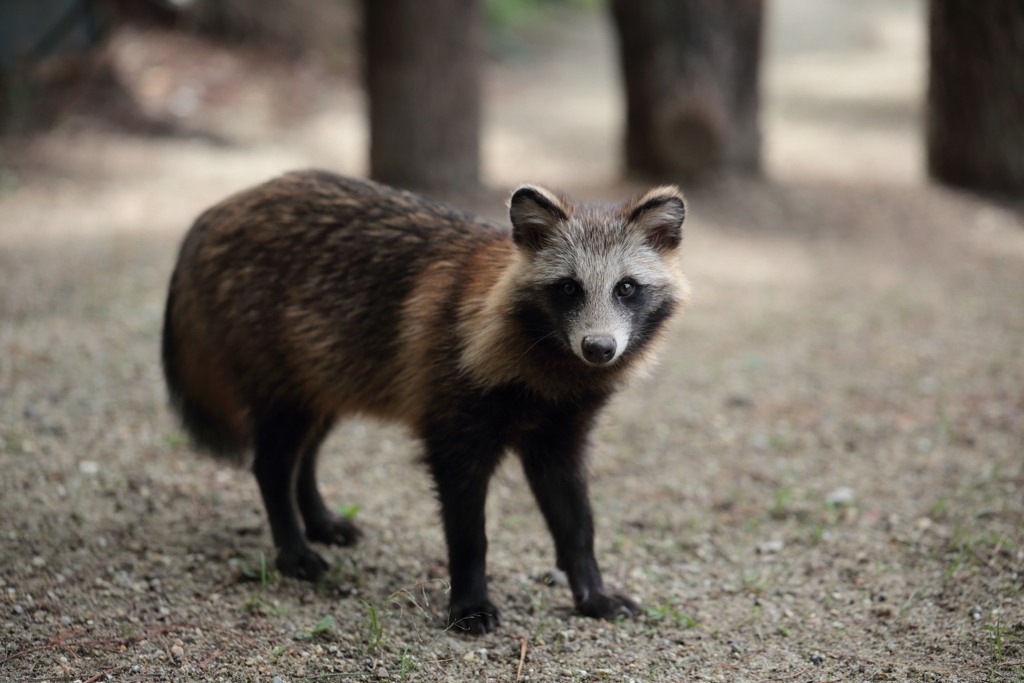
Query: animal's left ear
{"points": [[659, 215]]}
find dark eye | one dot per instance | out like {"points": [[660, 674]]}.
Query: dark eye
{"points": [[625, 289], [570, 289]]}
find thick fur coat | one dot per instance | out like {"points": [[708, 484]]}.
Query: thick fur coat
{"points": [[314, 296]]}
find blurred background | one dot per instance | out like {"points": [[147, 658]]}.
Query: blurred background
{"points": [[827, 462], [456, 94]]}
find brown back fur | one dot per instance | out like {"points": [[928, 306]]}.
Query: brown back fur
{"points": [[345, 296]]}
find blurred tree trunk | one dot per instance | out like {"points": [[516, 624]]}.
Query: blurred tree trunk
{"points": [[976, 94], [691, 72], [422, 76], [53, 61]]}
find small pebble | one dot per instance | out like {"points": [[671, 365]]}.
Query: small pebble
{"points": [[884, 611], [769, 547], [177, 652], [843, 495], [760, 442], [382, 673], [278, 679], [816, 660], [739, 401], [18, 609]]}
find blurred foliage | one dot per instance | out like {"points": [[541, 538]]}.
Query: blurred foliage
{"points": [[510, 23], [503, 13]]}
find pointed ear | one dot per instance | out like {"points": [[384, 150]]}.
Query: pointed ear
{"points": [[535, 214], [659, 215]]}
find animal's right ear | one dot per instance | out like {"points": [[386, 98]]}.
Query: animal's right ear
{"points": [[535, 214]]}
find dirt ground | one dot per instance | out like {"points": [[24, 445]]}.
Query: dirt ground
{"points": [[821, 480]]}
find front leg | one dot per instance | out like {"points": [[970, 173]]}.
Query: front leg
{"points": [[462, 468], [554, 461]]}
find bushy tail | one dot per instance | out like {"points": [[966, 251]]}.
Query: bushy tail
{"points": [[210, 428]]}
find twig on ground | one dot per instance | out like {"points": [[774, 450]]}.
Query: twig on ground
{"points": [[721, 551], [784, 678], [248, 640], [920, 667], [102, 673], [522, 658], [233, 577], [731, 668], [740, 663], [760, 652], [167, 649], [844, 655], [56, 642], [60, 642], [988, 563], [202, 664]]}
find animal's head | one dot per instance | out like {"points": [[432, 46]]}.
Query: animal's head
{"points": [[596, 280]]}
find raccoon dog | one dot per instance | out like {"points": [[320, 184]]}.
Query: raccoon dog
{"points": [[315, 296]]}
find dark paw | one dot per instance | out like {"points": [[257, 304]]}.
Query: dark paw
{"points": [[304, 563], [476, 618], [334, 530], [608, 604]]}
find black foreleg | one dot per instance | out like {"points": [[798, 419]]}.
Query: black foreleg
{"points": [[554, 461], [462, 467]]}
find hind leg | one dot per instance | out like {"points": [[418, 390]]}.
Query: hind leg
{"points": [[322, 525], [281, 434]]}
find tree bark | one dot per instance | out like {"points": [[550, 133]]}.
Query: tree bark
{"points": [[976, 94], [691, 73], [422, 76]]}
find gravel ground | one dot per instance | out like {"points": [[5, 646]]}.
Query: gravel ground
{"points": [[821, 480]]}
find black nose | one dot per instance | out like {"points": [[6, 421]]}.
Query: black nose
{"points": [[598, 349]]}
